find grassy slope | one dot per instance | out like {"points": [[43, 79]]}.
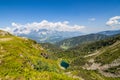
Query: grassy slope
{"points": [[51, 47], [109, 54], [90, 48], [20, 59], [109, 51]]}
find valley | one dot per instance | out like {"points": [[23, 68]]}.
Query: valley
{"points": [[99, 58], [23, 58], [60, 40]]}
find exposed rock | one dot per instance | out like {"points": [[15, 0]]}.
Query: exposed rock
{"points": [[45, 55]]}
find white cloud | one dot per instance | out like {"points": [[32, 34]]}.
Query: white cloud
{"points": [[114, 21], [36, 26], [92, 19]]}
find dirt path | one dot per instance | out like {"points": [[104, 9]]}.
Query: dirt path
{"points": [[73, 76], [96, 53]]}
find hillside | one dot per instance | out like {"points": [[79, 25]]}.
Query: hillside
{"points": [[24, 59], [51, 47], [4, 33], [99, 59], [105, 60], [84, 39]]}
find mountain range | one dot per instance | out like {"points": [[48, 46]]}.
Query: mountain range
{"points": [[53, 36], [44, 35], [84, 39]]}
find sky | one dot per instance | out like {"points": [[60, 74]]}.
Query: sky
{"points": [[87, 16]]}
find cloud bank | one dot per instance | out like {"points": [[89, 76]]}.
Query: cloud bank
{"points": [[114, 22], [36, 26]]}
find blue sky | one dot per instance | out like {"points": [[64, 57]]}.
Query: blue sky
{"points": [[93, 14]]}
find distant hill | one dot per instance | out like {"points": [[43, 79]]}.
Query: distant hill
{"points": [[110, 32], [84, 39]]}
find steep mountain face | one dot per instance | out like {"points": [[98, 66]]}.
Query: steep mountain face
{"points": [[84, 39], [24, 59], [110, 33], [44, 35]]}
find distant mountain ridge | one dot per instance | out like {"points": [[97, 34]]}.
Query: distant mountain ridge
{"points": [[110, 32], [44, 35], [84, 39], [53, 36]]}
